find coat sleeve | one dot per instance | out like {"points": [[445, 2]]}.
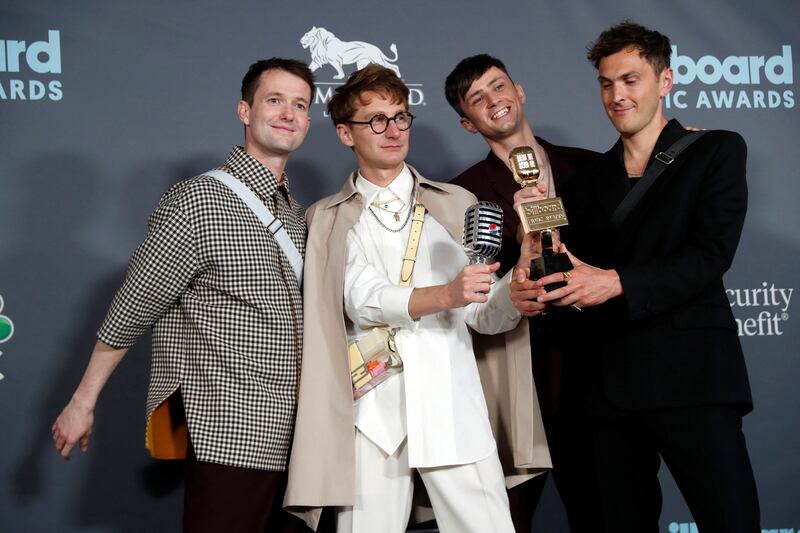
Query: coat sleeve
{"points": [[497, 314]]}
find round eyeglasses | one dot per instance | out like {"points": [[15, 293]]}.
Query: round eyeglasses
{"points": [[380, 123]]}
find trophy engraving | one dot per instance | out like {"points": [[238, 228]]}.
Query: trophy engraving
{"points": [[543, 214]]}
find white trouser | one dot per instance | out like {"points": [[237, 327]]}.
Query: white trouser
{"points": [[465, 498]]}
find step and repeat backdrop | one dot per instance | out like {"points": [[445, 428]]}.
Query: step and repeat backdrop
{"points": [[104, 105]]}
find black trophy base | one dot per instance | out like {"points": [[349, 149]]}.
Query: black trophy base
{"points": [[550, 264]]}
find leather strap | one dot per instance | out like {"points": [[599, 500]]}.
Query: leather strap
{"points": [[410, 258], [662, 161]]}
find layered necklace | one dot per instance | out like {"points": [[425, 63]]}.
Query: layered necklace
{"points": [[384, 205]]}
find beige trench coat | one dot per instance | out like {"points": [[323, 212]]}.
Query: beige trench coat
{"points": [[321, 466]]}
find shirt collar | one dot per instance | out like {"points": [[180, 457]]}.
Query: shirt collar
{"points": [[401, 187], [252, 173]]}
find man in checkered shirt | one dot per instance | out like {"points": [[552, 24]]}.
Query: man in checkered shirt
{"points": [[225, 307]]}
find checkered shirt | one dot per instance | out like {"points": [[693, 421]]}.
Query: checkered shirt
{"points": [[226, 313]]}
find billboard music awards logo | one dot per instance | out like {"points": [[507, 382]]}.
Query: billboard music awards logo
{"points": [[734, 82], [766, 309], [332, 53], [6, 328], [27, 68], [691, 527]]}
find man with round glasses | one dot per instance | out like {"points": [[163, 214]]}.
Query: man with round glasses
{"points": [[432, 417], [380, 122]]}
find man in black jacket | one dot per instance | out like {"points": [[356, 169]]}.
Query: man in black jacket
{"points": [[489, 103], [672, 382]]}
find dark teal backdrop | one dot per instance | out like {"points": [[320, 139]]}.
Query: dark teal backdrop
{"points": [[103, 105]]}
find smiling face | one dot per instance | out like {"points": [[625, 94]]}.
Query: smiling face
{"points": [[493, 106], [277, 121], [631, 92], [380, 155]]}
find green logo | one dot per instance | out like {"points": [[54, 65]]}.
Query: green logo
{"points": [[6, 329], [6, 326]]}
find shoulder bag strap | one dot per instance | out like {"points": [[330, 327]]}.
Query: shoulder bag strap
{"points": [[662, 161], [273, 224]]}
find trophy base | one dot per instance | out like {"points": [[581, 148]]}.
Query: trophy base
{"points": [[550, 264]]}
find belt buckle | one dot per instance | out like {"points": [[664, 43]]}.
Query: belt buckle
{"points": [[664, 158]]}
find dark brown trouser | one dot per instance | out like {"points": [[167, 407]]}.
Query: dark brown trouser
{"points": [[228, 499]]}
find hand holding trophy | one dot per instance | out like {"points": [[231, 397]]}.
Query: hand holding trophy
{"points": [[540, 215]]}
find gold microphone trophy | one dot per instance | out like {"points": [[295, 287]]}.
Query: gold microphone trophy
{"points": [[540, 215]]}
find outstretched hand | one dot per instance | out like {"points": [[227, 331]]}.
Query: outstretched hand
{"points": [[531, 246], [530, 194], [73, 426], [524, 292], [586, 285]]}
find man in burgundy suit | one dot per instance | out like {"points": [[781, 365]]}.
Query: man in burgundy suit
{"points": [[489, 103]]}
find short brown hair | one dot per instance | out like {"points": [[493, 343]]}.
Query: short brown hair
{"points": [[292, 66], [653, 46], [372, 78]]}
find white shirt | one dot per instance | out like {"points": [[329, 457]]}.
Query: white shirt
{"points": [[437, 402]]}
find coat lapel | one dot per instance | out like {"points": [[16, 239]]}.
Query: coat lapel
{"points": [[616, 182], [347, 206], [501, 180], [610, 185], [438, 201]]}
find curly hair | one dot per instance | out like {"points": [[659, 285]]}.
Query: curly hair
{"points": [[653, 46]]}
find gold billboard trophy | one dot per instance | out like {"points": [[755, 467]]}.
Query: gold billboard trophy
{"points": [[540, 215]]}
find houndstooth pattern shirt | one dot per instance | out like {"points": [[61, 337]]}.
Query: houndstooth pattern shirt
{"points": [[226, 313]]}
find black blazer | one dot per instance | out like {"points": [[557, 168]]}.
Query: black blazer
{"points": [[670, 340], [561, 379]]}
